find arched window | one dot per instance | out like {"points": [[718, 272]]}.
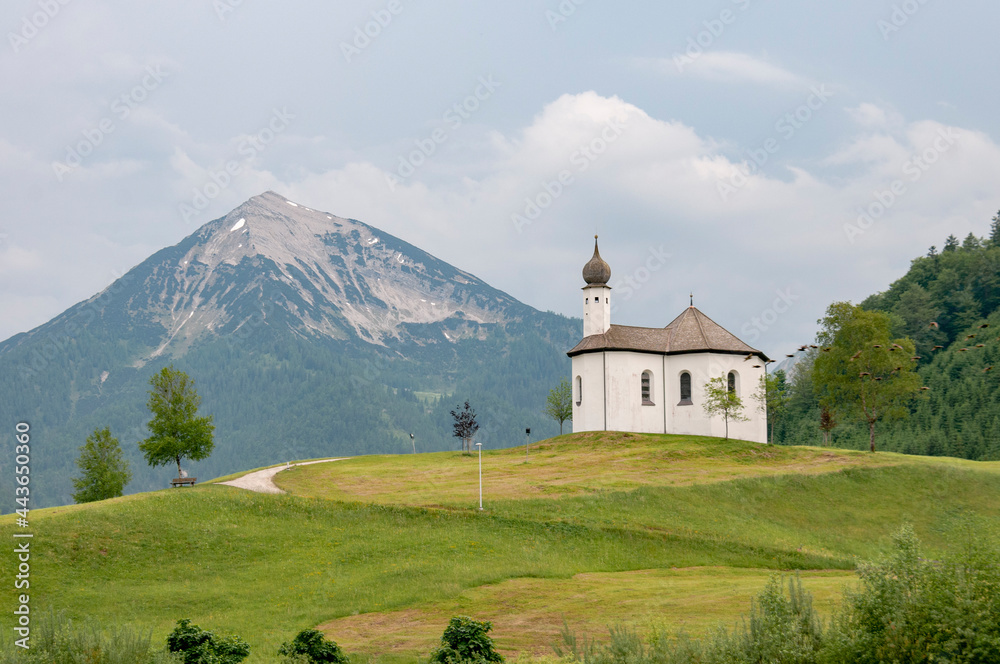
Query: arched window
{"points": [[578, 388], [647, 388], [685, 389], [731, 382]]}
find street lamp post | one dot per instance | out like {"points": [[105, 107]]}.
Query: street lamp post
{"points": [[413, 443], [527, 440], [480, 446]]}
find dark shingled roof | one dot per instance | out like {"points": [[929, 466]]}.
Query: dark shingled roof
{"points": [[691, 332]]}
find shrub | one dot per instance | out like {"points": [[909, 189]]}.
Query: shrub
{"points": [[465, 640], [58, 640], [906, 610], [909, 609], [197, 646], [310, 646]]}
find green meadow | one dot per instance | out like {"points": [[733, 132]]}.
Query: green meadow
{"points": [[596, 530]]}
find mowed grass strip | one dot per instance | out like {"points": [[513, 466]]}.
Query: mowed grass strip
{"points": [[528, 614], [268, 566], [574, 464], [847, 514]]}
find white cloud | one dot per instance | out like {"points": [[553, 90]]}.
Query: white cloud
{"points": [[727, 66], [657, 186], [654, 187]]}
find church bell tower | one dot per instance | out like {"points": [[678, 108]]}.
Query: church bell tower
{"points": [[596, 295]]}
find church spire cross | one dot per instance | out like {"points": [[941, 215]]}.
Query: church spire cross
{"points": [[692, 299]]}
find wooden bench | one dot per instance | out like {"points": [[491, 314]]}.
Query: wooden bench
{"points": [[183, 481]]}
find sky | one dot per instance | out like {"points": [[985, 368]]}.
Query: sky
{"points": [[768, 157]]}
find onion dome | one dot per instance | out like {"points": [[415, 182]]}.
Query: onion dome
{"points": [[596, 272]]}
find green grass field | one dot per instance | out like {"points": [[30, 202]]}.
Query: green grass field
{"points": [[597, 530]]}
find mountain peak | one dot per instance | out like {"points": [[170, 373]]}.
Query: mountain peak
{"points": [[276, 260]]}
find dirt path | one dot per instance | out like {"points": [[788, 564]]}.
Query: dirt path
{"points": [[261, 481]]}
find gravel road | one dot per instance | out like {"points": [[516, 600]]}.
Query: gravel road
{"points": [[261, 481]]}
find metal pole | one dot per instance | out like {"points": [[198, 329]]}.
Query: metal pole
{"points": [[527, 441], [412, 442], [480, 446]]}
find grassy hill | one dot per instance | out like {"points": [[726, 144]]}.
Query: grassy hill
{"points": [[596, 529]]}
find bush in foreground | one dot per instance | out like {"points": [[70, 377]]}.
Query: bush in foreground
{"points": [[309, 646], [906, 610], [466, 640], [58, 640], [197, 646]]}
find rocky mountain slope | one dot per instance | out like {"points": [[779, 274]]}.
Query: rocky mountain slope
{"points": [[307, 334]]}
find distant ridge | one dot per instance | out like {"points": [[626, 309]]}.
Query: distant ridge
{"points": [[307, 334]]}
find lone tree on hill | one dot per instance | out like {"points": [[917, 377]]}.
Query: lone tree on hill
{"points": [[465, 426], [176, 431], [720, 400], [105, 470], [559, 403], [865, 372]]}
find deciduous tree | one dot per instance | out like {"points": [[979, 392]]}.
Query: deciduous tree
{"points": [[720, 400], [105, 469], [772, 398], [177, 432], [827, 423], [865, 373], [559, 403]]}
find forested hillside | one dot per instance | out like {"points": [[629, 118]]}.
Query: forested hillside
{"points": [[948, 304], [307, 335]]}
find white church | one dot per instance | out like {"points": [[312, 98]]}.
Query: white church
{"points": [[651, 380]]}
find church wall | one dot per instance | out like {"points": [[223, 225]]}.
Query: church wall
{"points": [[691, 419], [589, 414], [626, 411]]}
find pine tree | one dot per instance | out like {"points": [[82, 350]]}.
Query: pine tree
{"points": [[465, 426], [950, 244], [995, 231], [971, 242]]}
